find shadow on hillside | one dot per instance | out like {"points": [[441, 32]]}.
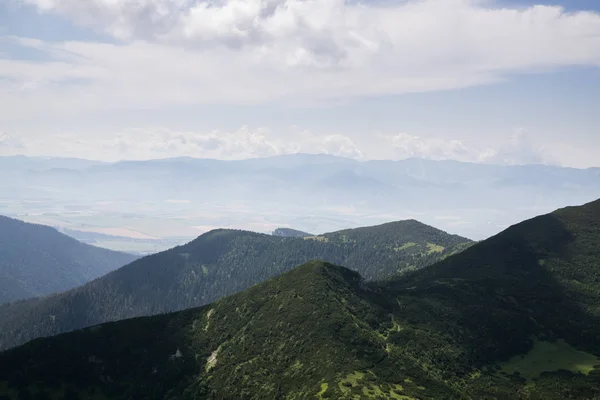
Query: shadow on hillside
{"points": [[535, 279]]}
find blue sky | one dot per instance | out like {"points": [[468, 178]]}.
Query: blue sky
{"points": [[506, 82], [569, 5]]}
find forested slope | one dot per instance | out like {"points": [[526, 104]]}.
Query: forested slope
{"points": [[37, 260], [515, 317], [217, 264]]}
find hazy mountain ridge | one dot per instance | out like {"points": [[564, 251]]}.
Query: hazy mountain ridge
{"points": [[217, 264], [37, 260], [168, 198], [45, 163], [459, 329]]}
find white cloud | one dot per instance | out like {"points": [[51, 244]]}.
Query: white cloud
{"points": [[171, 52], [517, 149], [262, 142], [163, 143], [9, 144], [407, 146], [168, 53], [520, 150]]}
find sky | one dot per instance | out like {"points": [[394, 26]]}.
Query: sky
{"points": [[506, 81]]}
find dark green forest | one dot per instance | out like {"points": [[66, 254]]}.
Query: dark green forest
{"points": [[514, 317], [37, 260], [217, 264]]}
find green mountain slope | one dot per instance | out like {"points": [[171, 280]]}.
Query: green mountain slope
{"points": [[37, 260], [524, 302], [217, 264], [310, 331], [514, 317]]}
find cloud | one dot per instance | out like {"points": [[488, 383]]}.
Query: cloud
{"points": [[173, 52], [408, 146], [520, 150], [10, 145], [162, 143], [247, 142], [517, 149], [337, 145]]}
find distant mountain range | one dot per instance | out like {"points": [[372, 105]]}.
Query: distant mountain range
{"points": [[514, 317], [37, 260], [23, 163], [183, 197], [220, 263]]}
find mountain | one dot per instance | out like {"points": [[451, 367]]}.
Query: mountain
{"points": [[287, 232], [168, 199], [217, 264], [44, 163], [512, 317], [519, 312], [37, 260]]}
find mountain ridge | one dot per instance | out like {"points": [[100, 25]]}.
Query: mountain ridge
{"points": [[474, 200], [514, 317], [37, 260], [210, 341], [219, 263]]}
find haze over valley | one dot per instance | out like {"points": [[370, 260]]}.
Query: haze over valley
{"points": [[148, 206]]}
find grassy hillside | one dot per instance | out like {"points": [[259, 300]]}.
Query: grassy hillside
{"points": [[37, 260], [217, 264], [513, 317]]}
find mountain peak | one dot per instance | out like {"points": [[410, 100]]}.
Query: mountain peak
{"points": [[543, 271], [320, 269]]}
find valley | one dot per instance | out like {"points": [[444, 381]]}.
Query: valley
{"points": [[143, 207]]}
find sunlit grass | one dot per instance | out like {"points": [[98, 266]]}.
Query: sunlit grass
{"points": [[549, 357]]}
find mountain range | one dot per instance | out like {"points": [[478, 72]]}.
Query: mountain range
{"points": [[37, 260], [513, 317], [220, 263], [160, 202]]}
